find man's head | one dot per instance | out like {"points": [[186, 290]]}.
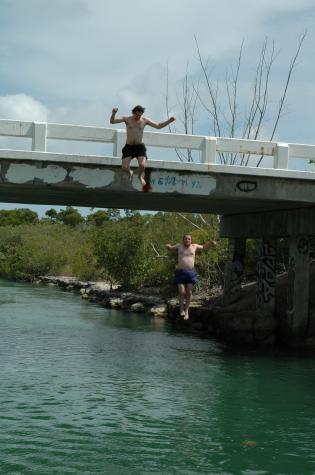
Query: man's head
{"points": [[187, 239], [137, 112]]}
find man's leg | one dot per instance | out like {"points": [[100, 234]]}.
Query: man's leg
{"points": [[181, 297], [188, 291], [141, 162], [126, 167]]}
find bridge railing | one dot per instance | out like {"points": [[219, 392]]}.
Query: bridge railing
{"points": [[40, 132]]}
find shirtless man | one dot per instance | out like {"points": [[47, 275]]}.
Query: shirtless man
{"points": [[135, 147], [185, 275]]}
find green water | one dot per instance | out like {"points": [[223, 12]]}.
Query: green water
{"points": [[85, 390]]}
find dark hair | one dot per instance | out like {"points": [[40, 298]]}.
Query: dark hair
{"points": [[138, 109]]}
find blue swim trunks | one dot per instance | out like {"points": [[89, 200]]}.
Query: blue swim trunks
{"points": [[185, 276]]}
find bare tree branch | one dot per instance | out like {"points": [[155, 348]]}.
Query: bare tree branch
{"points": [[286, 86], [157, 253], [189, 221]]}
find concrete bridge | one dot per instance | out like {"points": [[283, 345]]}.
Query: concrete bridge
{"points": [[254, 202]]}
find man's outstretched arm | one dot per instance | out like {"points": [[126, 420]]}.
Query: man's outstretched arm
{"points": [[113, 119], [171, 247], [160, 125], [207, 245]]}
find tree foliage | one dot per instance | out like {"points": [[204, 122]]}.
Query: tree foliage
{"points": [[17, 217], [128, 251], [120, 247]]}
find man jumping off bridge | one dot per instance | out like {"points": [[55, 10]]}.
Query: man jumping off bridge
{"points": [[135, 147], [185, 275]]}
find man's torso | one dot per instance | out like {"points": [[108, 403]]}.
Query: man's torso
{"points": [[186, 257], [134, 130]]}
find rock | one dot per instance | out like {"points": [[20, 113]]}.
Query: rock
{"points": [[116, 303], [36, 281], [137, 307], [68, 288], [159, 311]]}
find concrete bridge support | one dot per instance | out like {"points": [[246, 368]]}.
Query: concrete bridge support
{"points": [[234, 269], [297, 226], [297, 311]]}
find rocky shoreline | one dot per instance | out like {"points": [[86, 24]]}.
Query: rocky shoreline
{"points": [[138, 302], [206, 314], [101, 293], [237, 324]]}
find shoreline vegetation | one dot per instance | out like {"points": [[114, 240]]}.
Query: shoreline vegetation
{"points": [[118, 260]]}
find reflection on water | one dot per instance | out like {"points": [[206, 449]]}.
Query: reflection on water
{"points": [[90, 390]]}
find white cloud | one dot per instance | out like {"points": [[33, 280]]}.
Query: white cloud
{"points": [[82, 57], [22, 107]]}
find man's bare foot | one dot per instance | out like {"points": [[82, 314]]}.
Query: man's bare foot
{"points": [[182, 313], [186, 316], [142, 181]]}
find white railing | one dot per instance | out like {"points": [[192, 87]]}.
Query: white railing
{"points": [[40, 132]]}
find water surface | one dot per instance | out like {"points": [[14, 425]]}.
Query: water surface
{"points": [[86, 390]]}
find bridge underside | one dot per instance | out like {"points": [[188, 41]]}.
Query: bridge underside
{"points": [[49, 179], [123, 199]]}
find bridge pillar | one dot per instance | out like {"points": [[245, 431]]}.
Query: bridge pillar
{"points": [[298, 288], [39, 137], [234, 269], [120, 140], [266, 276]]}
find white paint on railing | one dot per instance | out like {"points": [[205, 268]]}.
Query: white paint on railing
{"points": [[252, 147], [79, 133], [209, 146], [209, 150], [39, 137], [16, 128], [119, 142], [281, 156]]}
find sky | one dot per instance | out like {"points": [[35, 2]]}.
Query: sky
{"points": [[72, 61]]}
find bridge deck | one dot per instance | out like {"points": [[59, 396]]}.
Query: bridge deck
{"points": [[33, 177], [40, 177]]}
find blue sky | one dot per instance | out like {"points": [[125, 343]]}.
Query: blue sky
{"points": [[71, 61]]}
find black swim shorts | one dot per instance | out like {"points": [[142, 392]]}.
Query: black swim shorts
{"points": [[134, 151]]}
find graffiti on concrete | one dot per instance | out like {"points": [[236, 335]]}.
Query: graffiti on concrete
{"points": [[234, 271], [170, 182], [291, 281], [298, 283], [266, 273], [246, 186]]}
